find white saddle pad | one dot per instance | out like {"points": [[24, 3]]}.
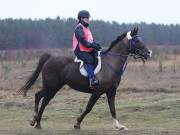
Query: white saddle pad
{"points": [[83, 70]]}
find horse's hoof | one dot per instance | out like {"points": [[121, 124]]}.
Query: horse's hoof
{"points": [[118, 126], [121, 128], [77, 126], [38, 127], [32, 122], [124, 128]]}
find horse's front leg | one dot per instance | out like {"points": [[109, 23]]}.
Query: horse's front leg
{"points": [[111, 101], [94, 97]]}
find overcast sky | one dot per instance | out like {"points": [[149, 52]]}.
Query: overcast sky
{"points": [[128, 11]]}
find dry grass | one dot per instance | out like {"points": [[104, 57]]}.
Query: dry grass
{"points": [[147, 101]]}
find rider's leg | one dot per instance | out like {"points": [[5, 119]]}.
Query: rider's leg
{"points": [[90, 69], [92, 80], [89, 61]]}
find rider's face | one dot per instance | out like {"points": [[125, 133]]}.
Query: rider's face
{"points": [[86, 20]]}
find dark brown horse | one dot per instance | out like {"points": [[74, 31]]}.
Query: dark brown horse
{"points": [[62, 70]]}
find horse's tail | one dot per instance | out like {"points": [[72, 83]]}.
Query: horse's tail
{"points": [[24, 89]]}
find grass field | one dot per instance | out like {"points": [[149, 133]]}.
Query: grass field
{"points": [[147, 102]]}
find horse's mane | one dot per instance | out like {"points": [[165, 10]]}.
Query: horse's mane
{"points": [[113, 43]]}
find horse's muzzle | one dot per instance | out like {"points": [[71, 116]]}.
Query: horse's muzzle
{"points": [[149, 54], [145, 54]]}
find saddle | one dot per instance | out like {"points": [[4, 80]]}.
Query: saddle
{"points": [[82, 65]]}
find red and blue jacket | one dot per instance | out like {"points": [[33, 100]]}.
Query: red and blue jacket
{"points": [[82, 38]]}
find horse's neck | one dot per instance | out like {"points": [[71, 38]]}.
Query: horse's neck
{"points": [[122, 53], [120, 48]]}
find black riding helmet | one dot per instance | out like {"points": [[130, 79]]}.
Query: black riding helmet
{"points": [[83, 14]]}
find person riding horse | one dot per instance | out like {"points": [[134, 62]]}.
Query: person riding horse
{"points": [[84, 46], [58, 71]]}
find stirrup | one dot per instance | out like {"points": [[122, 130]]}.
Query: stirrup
{"points": [[93, 83]]}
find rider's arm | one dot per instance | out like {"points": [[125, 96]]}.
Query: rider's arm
{"points": [[79, 33]]}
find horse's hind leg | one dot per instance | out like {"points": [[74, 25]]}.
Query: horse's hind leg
{"points": [[38, 97], [47, 97]]}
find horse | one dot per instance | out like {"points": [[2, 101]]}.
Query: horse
{"points": [[58, 71]]}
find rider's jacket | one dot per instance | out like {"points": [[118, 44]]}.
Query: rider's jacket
{"points": [[83, 38]]}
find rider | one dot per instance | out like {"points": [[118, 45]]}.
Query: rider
{"points": [[84, 46]]}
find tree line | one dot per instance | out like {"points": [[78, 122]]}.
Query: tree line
{"points": [[58, 32]]}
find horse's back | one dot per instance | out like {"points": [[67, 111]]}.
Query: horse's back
{"points": [[55, 65]]}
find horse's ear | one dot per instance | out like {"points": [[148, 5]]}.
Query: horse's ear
{"points": [[134, 31]]}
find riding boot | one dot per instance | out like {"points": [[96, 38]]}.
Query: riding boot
{"points": [[93, 82]]}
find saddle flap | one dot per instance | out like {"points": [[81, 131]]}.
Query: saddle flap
{"points": [[82, 68]]}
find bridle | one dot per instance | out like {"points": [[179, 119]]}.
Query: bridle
{"points": [[133, 51]]}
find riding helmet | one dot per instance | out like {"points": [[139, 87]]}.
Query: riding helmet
{"points": [[83, 14]]}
